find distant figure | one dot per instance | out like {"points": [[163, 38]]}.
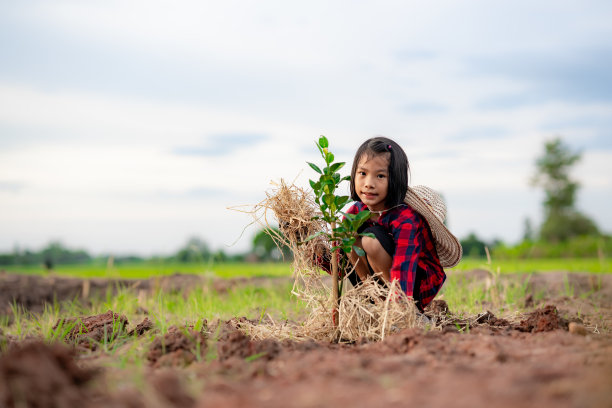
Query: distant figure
{"points": [[48, 263]]}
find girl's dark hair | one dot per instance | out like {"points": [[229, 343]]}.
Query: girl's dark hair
{"points": [[399, 169]]}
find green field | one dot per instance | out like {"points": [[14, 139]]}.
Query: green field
{"points": [[143, 270], [503, 296], [586, 265]]}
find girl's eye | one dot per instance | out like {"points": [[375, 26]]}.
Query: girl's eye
{"points": [[380, 176]]}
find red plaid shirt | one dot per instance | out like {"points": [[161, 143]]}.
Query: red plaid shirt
{"points": [[415, 263]]}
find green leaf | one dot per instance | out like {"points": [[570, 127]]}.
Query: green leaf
{"points": [[340, 230], [347, 178], [328, 199], [329, 157], [313, 184], [315, 167], [348, 216], [363, 215], [347, 224], [313, 236], [323, 142], [358, 250], [341, 200], [348, 241], [336, 166], [367, 234]]}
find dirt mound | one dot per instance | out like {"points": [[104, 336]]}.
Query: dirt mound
{"points": [[419, 367], [543, 319], [178, 347], [437, 307], [168, 386], [40, 375], [491, 320], [234, 343], [141, 327], [6, 340], [88, 331]]}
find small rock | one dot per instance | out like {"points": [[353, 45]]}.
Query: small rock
{"points": [[577, 328]]}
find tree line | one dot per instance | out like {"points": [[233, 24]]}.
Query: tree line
{"points": [[565, 231], [263, 249]]}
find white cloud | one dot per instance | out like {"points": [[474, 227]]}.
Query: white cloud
{"points": [[94, 160]]}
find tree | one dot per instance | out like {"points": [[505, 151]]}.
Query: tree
{"points": [[561, 219], [265, 248], [473, 246], [196, 250]]}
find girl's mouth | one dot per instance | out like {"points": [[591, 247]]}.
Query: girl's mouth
{"points": [[369, 195]]}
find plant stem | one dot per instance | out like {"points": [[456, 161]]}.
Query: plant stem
{"points": [[335, 291]]}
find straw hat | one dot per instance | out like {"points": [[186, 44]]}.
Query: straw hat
{"points": [[430, 205]]}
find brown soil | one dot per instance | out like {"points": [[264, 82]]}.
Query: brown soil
{"points": [[541, 320], [482, 360], [177, 348], [141, 328], [421, 368], [38, 375], [170, 389], [234, 344], [88, 331]]}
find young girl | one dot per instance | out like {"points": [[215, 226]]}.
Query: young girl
{"points": [[412, 244]]}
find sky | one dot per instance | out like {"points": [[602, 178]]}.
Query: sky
{"points": [[127, 127]]}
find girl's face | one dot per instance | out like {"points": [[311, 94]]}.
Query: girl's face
{"points": [[372, 180]]}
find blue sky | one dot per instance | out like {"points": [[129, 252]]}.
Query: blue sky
{"points": [[130, 126]]}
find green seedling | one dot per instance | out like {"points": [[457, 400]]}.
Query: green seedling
{"points": [[255, 356], [343, 226]]}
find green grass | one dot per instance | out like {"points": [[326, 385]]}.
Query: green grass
{"points": [[178, 308], [468, 296], [143, 270], [588, 265], [164, 308]]}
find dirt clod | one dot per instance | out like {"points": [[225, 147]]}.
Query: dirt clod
{"points": [[88, 331], [437, 307], [178, 347], [141, 327], [234, 343], [40, 375], [542, 320], [490, 319]]}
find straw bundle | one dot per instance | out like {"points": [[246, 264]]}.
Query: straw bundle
{"points": [[368, 311]]}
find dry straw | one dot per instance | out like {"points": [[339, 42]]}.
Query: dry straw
{"points": [[368, 311]]}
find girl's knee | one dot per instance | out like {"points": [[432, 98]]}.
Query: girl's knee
{"points": [[371, 245]]}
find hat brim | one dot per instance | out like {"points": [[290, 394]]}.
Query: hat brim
{"points": [[448, 246]]}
